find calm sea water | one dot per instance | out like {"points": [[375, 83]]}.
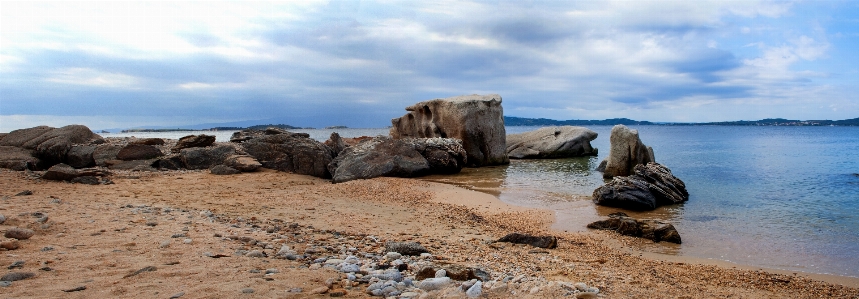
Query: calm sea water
{"points": [[779, 197]]}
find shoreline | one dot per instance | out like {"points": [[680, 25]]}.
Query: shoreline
{"points": [[113, 230]]}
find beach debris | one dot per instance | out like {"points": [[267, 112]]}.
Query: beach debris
{"points": [[646, 228], [19, 233], [548, 242]]}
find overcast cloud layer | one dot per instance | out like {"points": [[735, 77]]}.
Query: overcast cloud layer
{"points": [[309, 63]]}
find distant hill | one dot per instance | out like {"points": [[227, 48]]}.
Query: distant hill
{"points": [[521, 121]]}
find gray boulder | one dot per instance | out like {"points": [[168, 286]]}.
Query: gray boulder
{"points": [[173, 162], [17, 158], [205, 157], [626, 151], [134, 151], [136, 165], [336, 144], [398, 158], [104, 153], [223, 170], [552, 142], [60, 172], [80, 156], [655, 230], [49, 144], [477, 120], [650, 186], [243, 163], [291, 152], [192, 141], [148, 141]]}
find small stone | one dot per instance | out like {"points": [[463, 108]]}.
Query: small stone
{"points": [[431, 284], [295, 290], [15, 276], [350, 268], [390, 256], [337, 293], [586, 295], [440, 273], [271, 271], [475, 291], [247, 291], [581, 286], [24, 193], [187, 241], [164, 244], [47, 248], [19, 233], [17, 264], [4, 283], [255, 253], [151, 223], [2, 218], [182, 235], [177, 295], [75, 289], [319, 290], [10, 245], [145, 269]]}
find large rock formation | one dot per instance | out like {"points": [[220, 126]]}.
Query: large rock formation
{"points": [[50, 144], [134, 151], [80, 156], [292, 152], [551, 142], [626, 151], [650, 186], [205, 157], [398, 158], [477, 120], [192, 141], [645, 228], [17, 158]]}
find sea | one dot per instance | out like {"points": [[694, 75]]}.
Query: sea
{"points": [[766, 196]]}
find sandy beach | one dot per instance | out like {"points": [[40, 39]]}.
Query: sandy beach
{"points": [[191, 234]]}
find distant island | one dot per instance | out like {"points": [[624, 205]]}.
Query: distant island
{"points": [[155, 130], [521, 121]]}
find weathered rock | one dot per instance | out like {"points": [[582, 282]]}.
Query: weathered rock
{"points": [[626, 151], [16, 276], [551, 142], [171, 163], [49, 144], [291, 152], [60, 172], [10, 245], [192, 141], [2, 218], [223, 170], [536, 241], [138, 165], [80, 156], [19, 233], [646, 228], [336, 144], [88, 180], [476, 120], [138, 152], [650, 186], [205, 157], [104, 153], [243, 163], [17, 158], [405, 248], [410, 157], [148, 141]]}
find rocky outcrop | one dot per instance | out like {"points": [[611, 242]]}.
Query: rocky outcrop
{"points": [[80, 156], [17, 158], [192, 141], [646, 228], [398, 158], [242, 163], [536, 241], [477, 120], [291, 152], [50, 144], [551, 142], [134, 151], [63, 172], [205, 157], [650, 186], [248, 134], [625, 152]]}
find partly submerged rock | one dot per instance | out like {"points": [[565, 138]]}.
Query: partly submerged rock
{"points": [[625, 153], [551, 142], [646, 228], [650, 186]]}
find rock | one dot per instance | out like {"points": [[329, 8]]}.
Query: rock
{"points": [[80, 156], [75, 289], [432, 284], [552, 142], [60, 172], [177, 295], [646, 228], [104, 153], [335, 143], [247, 291], [205, 157], [24, 193], [16, 276], [88, 180], [138, 152], [17, 158], [49, 144], [405, 248], [2, 218], [255, 253], [192, 141], [649, 186], [586, 295], [142, 270], [398, 158], [223, 170], [291, 152], [536, 241], [475, 290], [242, 163], [626, 151], [319, 290], [10, 245], [476, 120], [148, 141], [170, 163], [134, 165]]}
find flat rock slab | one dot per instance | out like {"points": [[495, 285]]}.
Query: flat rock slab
{"points": [[536, 241]]}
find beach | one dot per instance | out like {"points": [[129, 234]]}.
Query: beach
{"points": [[191, 234]]}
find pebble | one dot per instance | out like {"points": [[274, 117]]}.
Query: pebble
{"points": [[319, 290], [16, 264], [255, 253], [10, 245], [586, 295], [4, 283], [349, 268], [15, 276], [19, 233], [440, 273], [177, 295], [390, 256], [475, 291], [431, 284], [165, 244], [271, 271], [2, 218], [247, 290], [47, 248], [24, 193], [75, 289], [187, 241]]}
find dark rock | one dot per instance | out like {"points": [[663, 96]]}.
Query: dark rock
{"points": [[626, 152], [2, 218], [405, 248], [16, 276], [19, 233], [148, 141], [136, 165], [80, 156], [536, 241], [138, 152], [398, 158], [104, 153], [292, 153], [646, 228], [243, 163], [650, 186], [60, 172], [75, 289], [425, 272], [336, 144], [552, 142], [49, 144], [18, 138], [17, 158], [144, 269], [205, 157], [192, 141], [170, 163], [223, 170], [17, 265], [454, 271], [88, 180], [24, 193]]}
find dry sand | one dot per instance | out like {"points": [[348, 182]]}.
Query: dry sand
{"points": [[150, 235]]}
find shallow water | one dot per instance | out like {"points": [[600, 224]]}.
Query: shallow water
{"points": [[778, 197]]}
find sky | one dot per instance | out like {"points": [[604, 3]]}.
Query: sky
{"points": [[360, 63]]}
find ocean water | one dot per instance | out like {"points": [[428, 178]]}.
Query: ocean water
{"points": [[777, 197]]}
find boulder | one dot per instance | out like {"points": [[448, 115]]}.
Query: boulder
{"points": [[405, 248], [625, 152], [80, 156], [243, 163], [136, 165], [248, 134], [87, 179], [49, 144], [552, 142], [291, 152], [336, 144], [398, 158], [173, 162], [650, 186], [104, 153], [138, 152], [536, 241], [60, 172], [148, 141], [17, 158], [646, 228], [477, 120], [223, 170], [192, 141], [205, 157]]}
